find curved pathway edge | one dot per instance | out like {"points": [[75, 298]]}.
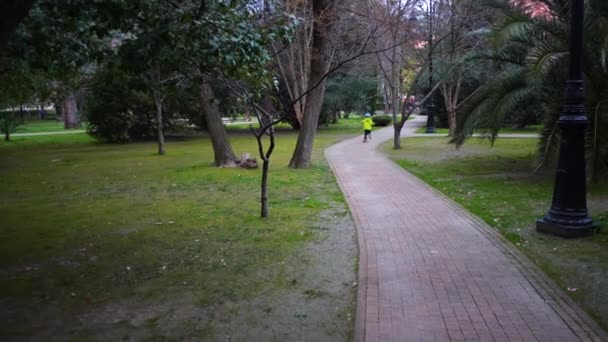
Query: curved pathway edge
{"points": [[431, 271]]}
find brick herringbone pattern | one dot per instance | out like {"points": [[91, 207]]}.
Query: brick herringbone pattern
{"points": [[430, 271]]}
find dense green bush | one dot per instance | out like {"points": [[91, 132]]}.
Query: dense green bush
{"points": [[349, 94], [382, 120], [118, 108]]}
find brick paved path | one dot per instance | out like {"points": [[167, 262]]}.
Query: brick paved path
{"points": [[430, 271]]}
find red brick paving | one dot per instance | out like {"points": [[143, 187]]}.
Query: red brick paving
{"points": [[431, 271]]}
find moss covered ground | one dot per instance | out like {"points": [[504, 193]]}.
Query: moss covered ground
{"points": [[87, 224]]}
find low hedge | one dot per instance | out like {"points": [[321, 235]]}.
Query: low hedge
{"points": [[382, 120]]}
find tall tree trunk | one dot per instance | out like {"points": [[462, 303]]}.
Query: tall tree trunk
{"points": [[395, 86], [7, 136], [70, 112], [386, 98], [451, 121], [160, 134], [319, 66], [223, 154]]}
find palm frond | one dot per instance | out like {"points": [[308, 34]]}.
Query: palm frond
{"points": [[487, 110], [511, 54], [544, 59], [515, 26]]}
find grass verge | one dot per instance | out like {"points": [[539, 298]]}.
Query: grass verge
{"points": [[41, 127], [525, 130]]}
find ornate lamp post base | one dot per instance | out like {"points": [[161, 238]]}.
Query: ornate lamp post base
{"points": [[568, 216], [567, 225]]}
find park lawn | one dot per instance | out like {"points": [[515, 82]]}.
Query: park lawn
{"points": [[532, 129], [352, 124], [498, 185], [41, 126], [86, 225]]}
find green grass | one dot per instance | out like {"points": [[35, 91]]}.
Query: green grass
{"points": [[41, 127], [344, 126], [85, 223], [528, 129], [497, 184]]}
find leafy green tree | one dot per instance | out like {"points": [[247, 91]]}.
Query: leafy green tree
{"points": [[530, 54], [59, 41], [350, 94], [231, 40]]}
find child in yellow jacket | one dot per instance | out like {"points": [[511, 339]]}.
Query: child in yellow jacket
{"points": [[367, 127]]}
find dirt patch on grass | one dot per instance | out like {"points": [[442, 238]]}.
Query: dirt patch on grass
{"points": [[310, 297], [316, 299]]}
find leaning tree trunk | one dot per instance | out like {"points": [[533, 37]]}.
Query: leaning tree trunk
{"points": [[160, 134], [70, 112], [223, 154], [306, 135], [319, 67]]}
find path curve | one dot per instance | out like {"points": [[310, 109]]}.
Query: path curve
{"points": [[431, 271]]}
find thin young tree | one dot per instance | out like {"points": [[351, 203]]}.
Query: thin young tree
{"points": [[266, 121]]}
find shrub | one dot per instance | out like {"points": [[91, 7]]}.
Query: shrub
{"points": [[118, 108], [8, 124], [382, 120]]}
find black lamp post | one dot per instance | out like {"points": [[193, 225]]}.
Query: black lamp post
{"points": [[568, 216], [430, 121]]}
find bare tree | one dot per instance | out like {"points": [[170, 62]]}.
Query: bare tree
{"points": [[320, 62], [293, 61], [462, 17], [395, 20], [266, 122]]}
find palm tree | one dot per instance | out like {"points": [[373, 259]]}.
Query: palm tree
{"points": [[530, 54]]}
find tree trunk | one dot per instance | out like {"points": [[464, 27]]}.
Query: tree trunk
{"points": [[265, 209], [386, 98], [395, 85], [451, 122], [160, 134], [223, 154], [7, 136], [319, 66], [397, 137], [70, 112]]}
